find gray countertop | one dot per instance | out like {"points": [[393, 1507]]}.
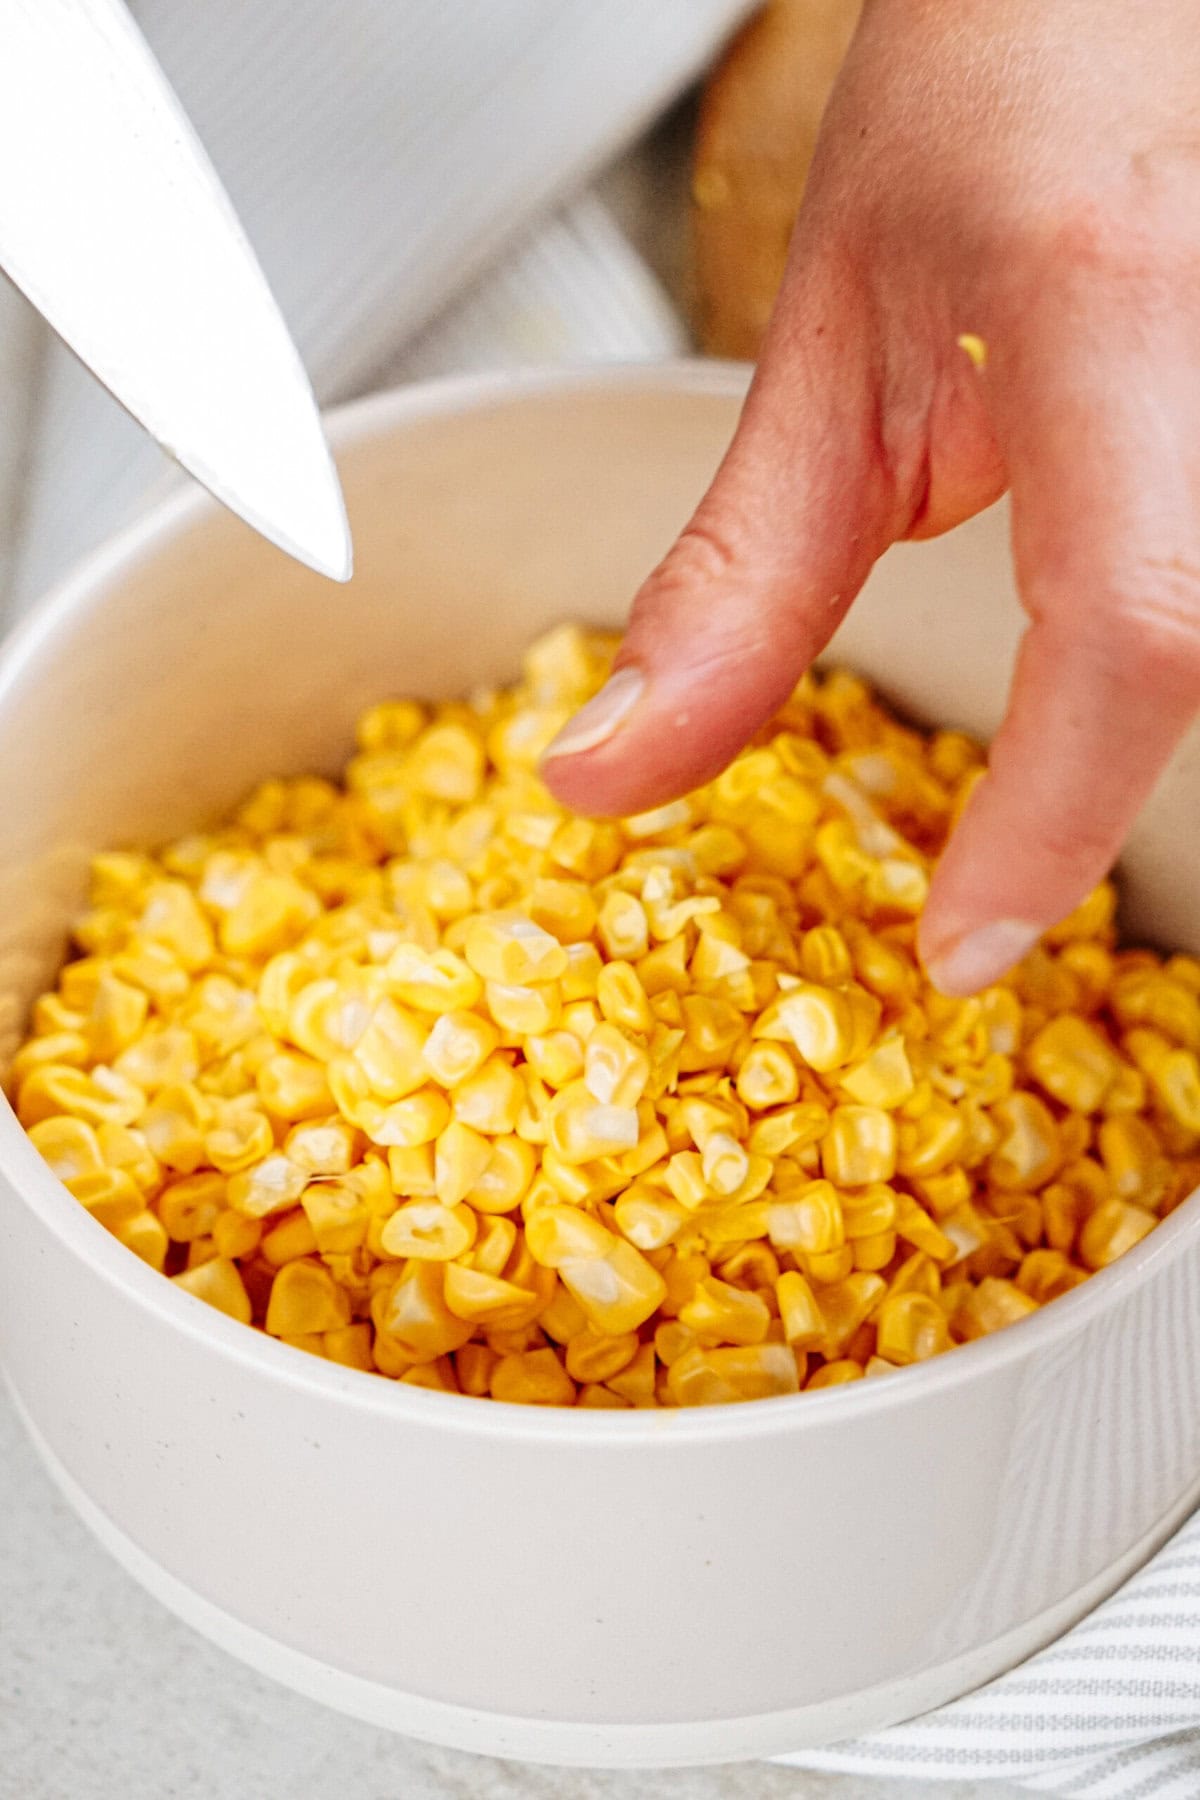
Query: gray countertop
{"points": [[105, 1696]]}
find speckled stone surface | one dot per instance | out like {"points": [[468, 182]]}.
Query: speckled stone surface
{"points": [[105, 1696]]}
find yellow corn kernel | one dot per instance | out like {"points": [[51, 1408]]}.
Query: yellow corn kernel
{"points": [[350, 1345], [828, 1267], [491, 1099], [581, 980], [412, 1313], [292, 1238], [648, 1217], [808, 1221], [327, 1147], [767, 1077], [834, 1374], [874, 1252], [713, 1377], [97, 1096], [845, 1305], [884, 1078], [520, 1011], [930, 1143], [510, 948], [622, 927], [236, 1237], [616, 1069], [580, 1128], [860, 1146], [724, 1164], [505, 1178], [1073, 1062], [460, 1158], [483, 1299], [910, 1327], [535, 1378], [68, 1048], [559, 1234], [870, 1212], [1111, 1230], [407, 1124], [565, 909], [171, 917], [622, 999], [190, 1208], [803, 1321], [1131, 1157], [108, 1194], [474, 1364], [617, 1291], [992, 1304], [1045, 1274], [218, 1282], [143, 1234], [68, 1146], [117, 1014], [432, 981], [1175, 1080], [494, 1244], [719, 1313], [788, 1131], [271, 1186], [176, 1124], [294, 1087], [241, 1137], [458, 1046], [337, 1214], [637, 1380], [556, 1057], [591, 1357], [1029, 1152], [389, 1052]]}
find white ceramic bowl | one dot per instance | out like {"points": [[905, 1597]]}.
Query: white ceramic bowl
{"points": [[591, 1587]]}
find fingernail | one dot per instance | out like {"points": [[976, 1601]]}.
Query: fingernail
{"points": [[980, 957], [596, 722]]}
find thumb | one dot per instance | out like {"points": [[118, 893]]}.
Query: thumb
{"points": [[754, 586]]}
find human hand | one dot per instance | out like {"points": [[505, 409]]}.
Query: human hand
{"points": [[1029, 173]]}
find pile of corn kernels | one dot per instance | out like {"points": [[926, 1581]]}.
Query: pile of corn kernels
{"points": [[426, 1076]]}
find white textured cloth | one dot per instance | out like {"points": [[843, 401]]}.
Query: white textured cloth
{"points": [[413, 175], [1109, 1712]]}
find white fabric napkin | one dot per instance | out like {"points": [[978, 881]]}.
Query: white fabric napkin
{"points": [[414, 177]]}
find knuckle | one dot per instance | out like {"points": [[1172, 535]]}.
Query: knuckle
{"points": [[1135, 240]]}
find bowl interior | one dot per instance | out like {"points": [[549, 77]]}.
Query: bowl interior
{"points": [[190, 659]]}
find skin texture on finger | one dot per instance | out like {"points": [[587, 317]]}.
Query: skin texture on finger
{"points": [[1106, 532], [753, 588]]}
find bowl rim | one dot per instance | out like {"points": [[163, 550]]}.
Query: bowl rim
{"points": [[86, 587]]}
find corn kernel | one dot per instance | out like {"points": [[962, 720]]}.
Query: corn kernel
{"points": [[989, 1306], [860, 1146], [458, 1046], [218, 1282], [721, 1314], [536, 1378], [715, 1377], [1073, 1062], [1111, 1230], [910, 1327], [292, 1238]]}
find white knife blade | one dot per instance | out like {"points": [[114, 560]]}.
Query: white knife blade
{"points": [[116, 226]]}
